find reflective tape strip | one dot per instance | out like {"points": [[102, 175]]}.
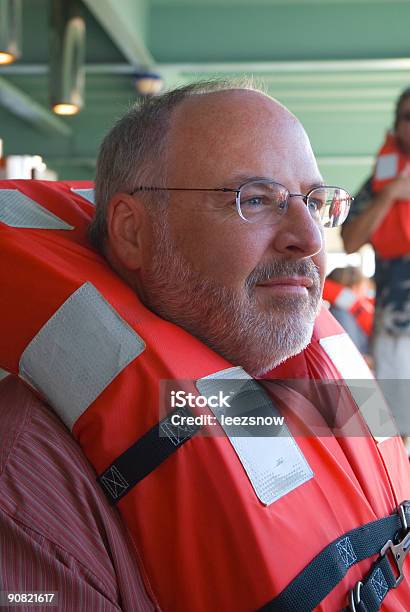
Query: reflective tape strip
{"points": [[87, 194], [346, 299], [3, 374], [18, 210], [273, 461], [362, 385], [78, 352], [387, 166]]}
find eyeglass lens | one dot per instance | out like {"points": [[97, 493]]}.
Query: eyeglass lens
{"points": [[263, 202]]}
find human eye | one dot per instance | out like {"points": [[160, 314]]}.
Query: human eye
{"points": [[316, 202], [263, 195], [315, 205], [254, 201]]}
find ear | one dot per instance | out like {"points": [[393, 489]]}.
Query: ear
{"points": [[126, 217]]}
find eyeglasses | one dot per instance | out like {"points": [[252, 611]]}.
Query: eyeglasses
{"points": [[265, 202]]}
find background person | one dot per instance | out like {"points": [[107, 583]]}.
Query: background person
{"points": [[346, 291], [381, 215]]}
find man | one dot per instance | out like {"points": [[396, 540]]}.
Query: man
{"points": [[371, 210], [209, 205]]}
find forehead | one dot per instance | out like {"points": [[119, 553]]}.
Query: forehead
{"points": [[223, 134]]}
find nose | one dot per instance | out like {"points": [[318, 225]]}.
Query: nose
{"points": [[298, 235]]}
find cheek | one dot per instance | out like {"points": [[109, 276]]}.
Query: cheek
{"points": [[222, 252]]}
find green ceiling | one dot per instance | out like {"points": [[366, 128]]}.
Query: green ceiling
{"points": [[338, 64]]}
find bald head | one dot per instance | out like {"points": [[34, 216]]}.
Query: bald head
{"points": [[239, 104], [234, 124]]}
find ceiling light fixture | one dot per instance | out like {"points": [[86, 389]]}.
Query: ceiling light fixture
{"points": [[148, 83], [10, 31], [65, 109], [67, 54]]}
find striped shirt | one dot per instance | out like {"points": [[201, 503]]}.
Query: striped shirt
{"points": [[57, 531]]}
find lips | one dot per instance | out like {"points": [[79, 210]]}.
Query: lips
{"points": [[288, 281]]}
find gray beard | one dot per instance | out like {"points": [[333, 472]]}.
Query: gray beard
{"points": [[234, 325]]}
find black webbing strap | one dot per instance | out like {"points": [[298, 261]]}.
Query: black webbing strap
{"points": [[331, 565], [368, 594], [146, 454]]}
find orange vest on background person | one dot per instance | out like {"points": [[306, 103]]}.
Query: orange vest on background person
{"points": [[392, 237], [218, 521], [347, 299]]}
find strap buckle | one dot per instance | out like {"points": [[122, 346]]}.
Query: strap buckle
{"points": [[400, 550], [402, 515], [354, 597]]}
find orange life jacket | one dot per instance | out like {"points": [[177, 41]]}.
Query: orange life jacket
{"points": [[345, 298], [392, 237], [225, 522]]}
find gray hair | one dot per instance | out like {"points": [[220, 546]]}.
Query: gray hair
{"points": [[133, 152]]}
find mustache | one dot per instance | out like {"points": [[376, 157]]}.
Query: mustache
{"points": [[277, 268]]}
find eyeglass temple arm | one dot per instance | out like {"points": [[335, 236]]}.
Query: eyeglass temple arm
{"points": [[224, 189]]}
